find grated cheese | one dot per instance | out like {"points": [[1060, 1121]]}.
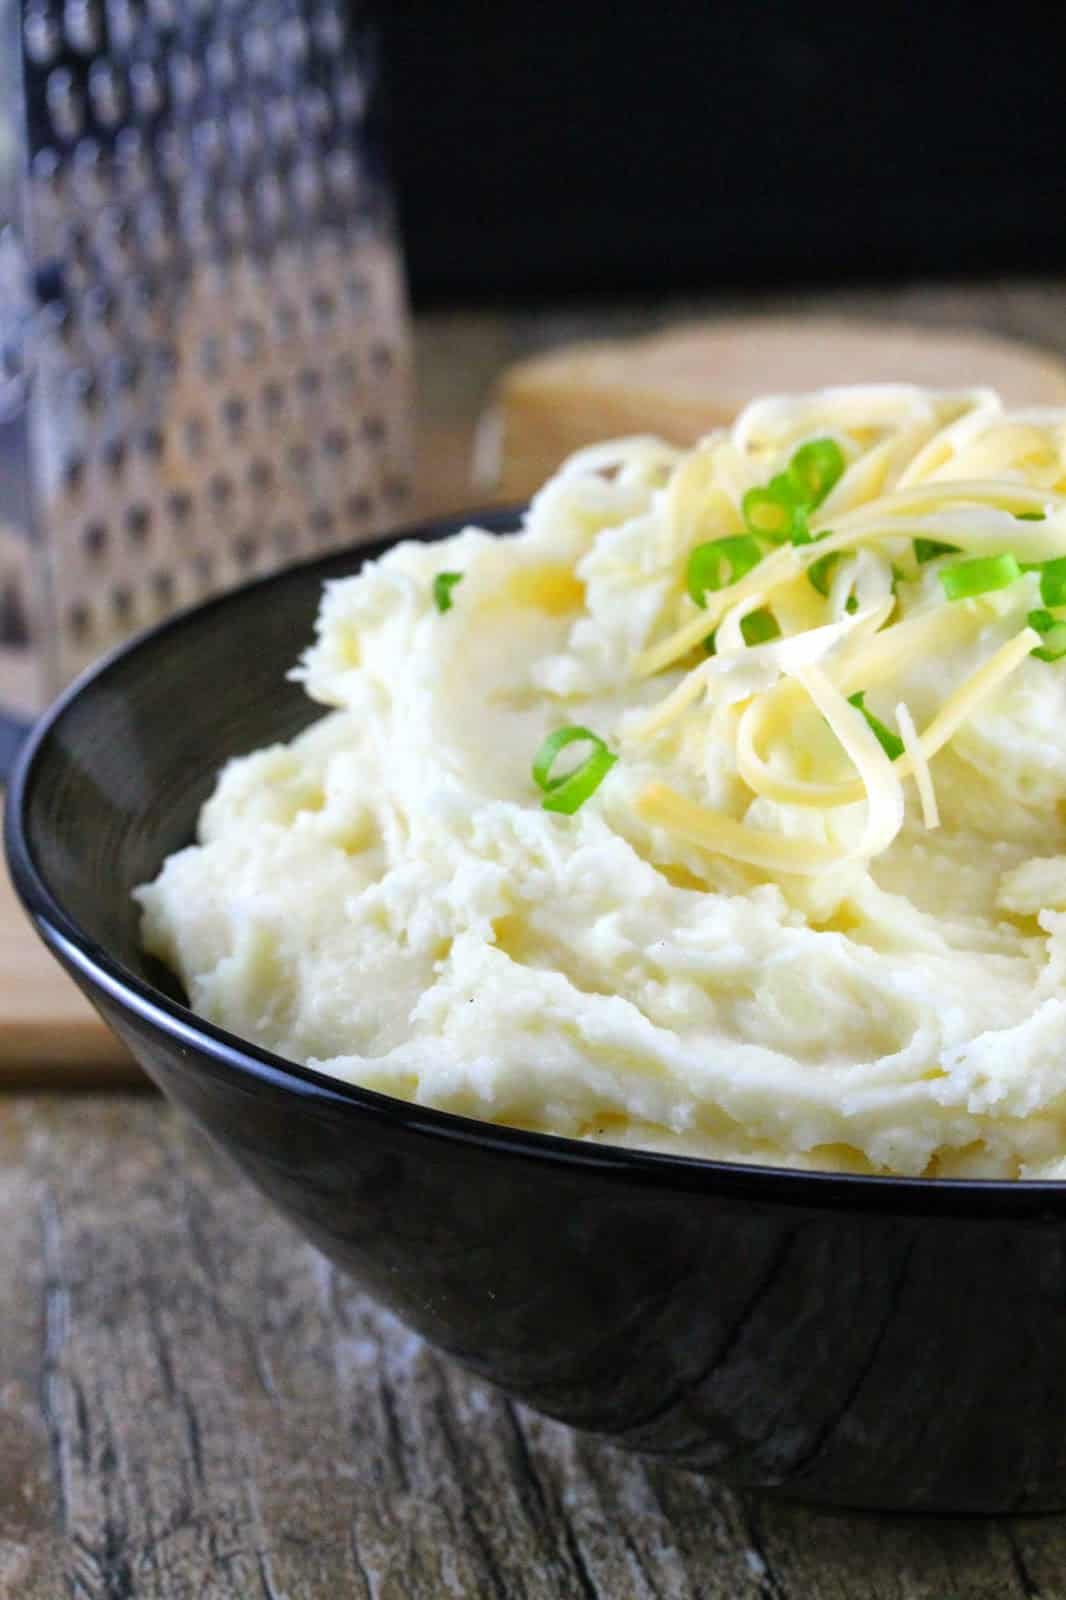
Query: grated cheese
{"points": [[952, 469], [923, 778]]}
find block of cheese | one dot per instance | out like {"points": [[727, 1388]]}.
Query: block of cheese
{"points": [[682, 382]]}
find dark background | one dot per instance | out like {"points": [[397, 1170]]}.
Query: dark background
{"points": [[601, 148]]}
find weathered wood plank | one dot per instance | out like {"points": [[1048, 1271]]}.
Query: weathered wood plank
{"points": [[193, 1403]]}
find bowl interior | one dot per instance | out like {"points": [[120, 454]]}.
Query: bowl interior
{"points": [[115, 777]]}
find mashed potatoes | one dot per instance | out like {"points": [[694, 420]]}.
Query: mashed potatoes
{"points": [[814, 914]]}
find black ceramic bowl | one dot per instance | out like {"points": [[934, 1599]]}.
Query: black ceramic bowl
{"points": [[865, 1341]]}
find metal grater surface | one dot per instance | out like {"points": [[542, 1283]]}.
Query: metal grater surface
{"points": [[204, 351]]}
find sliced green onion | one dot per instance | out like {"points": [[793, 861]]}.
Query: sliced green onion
{"points": [[1053, 633], [928, 550], [758, 627], [890, 742], [1029, 516], [769, 513], [1053, 582], [819, 572], [710, 644], [568, 793], [815, 468], [443, 584], [965, 579], [720, 562], [800, 534]]}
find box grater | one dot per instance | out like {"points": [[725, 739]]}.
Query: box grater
{"points": [[204, 347]]}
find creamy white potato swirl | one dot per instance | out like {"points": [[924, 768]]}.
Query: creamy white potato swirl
{"points": [[783, 927]]}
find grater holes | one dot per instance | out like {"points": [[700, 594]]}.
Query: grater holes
{"points": [[122, 603], [123, 375], [163, 13], [41, 34], [322, 523], [292, 37], [328, 30], [114, 456], [165, 360], [203, 566], [154, 235], [249, 338], [357, 291], [74, 474], [345, 372], [221, 64], [260, 475], [47, 170], [84, 389], [138, 523], [163, 588], [317, 111], [397, 488], [324, 307], [272, 399], [88, 164], [220, 489], [143, 291], [285, 540], [94, 539], [299, 456], [282, 124], [244, 133], [195, 430], [211, 361], [310, 382], [286, 319], [246, 549], [270, 199], [106, 94], [98, 304], [151, 443], [65, 105], [341, 173], [350, 96], [81, 24], [336, 443], [257, 50], [79, 622], [179, 506], [122, 22], [357, 507], [145, 89], [233, 215], [234, 412], [306, 185], [208, 145], [382, 358], [184, 78], [114, 235], [374, 429]]}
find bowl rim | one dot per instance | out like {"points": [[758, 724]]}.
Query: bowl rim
{"points": [[1037, 1200]]}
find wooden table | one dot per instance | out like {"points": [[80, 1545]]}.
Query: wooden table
{"points": [[193, 1403]]}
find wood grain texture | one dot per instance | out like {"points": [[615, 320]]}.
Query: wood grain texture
{"points": [[194, 1404]]}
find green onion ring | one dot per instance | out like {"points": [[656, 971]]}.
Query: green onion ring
{"points": [[569, 793], [963, 580]]}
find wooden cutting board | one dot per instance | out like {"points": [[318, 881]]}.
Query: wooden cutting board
{"points": [[678, 383], [48, 1031]]}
